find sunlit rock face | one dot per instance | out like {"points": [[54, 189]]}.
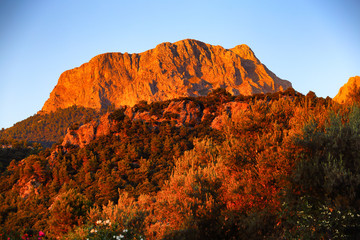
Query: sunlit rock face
{"points": [[88, 132], [344, 91], [170, 70], [181, 112]]}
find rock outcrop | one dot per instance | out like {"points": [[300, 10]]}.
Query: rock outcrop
{"points": [[171, 70], [88, 132], [183, 112], [228, 110], [343, 94], [27, 186]]}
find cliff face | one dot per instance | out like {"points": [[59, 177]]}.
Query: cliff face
{"points": [[88, 132], [344, 91], [171, 70]]}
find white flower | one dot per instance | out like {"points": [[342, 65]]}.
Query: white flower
{"points": [[108, 222], [125, 230], [98, 222], [92, 230], [121, 236]]}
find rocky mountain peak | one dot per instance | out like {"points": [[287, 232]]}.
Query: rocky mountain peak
{"points": [[245, 52], [344, 91], [170, 70]]}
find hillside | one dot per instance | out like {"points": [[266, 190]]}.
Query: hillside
{"points": [[171, 70], [49, 128], [13, 150], [273, 166]]}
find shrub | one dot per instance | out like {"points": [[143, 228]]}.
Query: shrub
{"points": [[323, 201]]}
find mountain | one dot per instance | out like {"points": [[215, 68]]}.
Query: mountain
{"points": [[170, 70], [346, 91]]}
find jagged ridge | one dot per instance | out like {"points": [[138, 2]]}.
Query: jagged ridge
{"points": [[171, 70]]}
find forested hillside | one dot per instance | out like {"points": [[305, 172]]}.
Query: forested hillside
{"points": [[11, 149], [49, 128], [278, 166]]}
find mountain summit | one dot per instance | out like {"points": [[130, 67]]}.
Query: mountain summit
{"points": [[170, 70], [344, 94]]}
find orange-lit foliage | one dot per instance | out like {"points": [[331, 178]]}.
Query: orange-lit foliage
{"points": [[212, 186], [189, 204], [322, 201], [174, 182], [258, 154]]}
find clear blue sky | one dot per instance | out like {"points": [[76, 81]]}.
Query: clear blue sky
{"points": [[315, 44]]}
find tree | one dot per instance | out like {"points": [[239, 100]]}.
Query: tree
{"points": [[323, 201], [67, 211]]}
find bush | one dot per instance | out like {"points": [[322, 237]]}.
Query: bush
{"points": [[323, 201]]}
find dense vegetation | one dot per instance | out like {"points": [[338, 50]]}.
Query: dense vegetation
{"points": [[286, 167], [11, 149], [49, 128]]}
